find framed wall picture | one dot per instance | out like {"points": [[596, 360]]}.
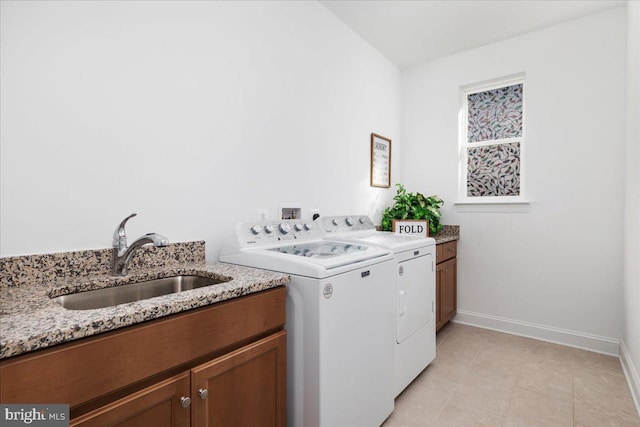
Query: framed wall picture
{"points": [[380, 161]]}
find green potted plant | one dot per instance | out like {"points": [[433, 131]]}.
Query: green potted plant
{"points": [[413, 206]]}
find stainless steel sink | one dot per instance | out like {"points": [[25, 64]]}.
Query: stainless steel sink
{"points": [[108, 297]]}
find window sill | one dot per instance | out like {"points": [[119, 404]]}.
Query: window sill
{"points": [[492, 206]]}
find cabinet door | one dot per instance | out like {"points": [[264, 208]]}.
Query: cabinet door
{"points": [[246, 387], [448, 289], [439, 318], [158, 405]]}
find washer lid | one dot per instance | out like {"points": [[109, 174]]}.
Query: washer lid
{"points": [[317, 259], [322, 250], [326, 255]]}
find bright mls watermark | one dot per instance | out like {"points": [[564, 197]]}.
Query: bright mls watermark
{"points": [[53, 415]]}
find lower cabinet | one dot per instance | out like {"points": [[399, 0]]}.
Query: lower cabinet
{"points": [[220, 365], [158, 405], [246, 387], [446, 283]]}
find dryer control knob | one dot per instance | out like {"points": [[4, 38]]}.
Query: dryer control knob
{"points": [[255, 229], [284, 227], [308, 226], [361, 220], [334, 221], [298, 226], [349, 221], [268, 229]]}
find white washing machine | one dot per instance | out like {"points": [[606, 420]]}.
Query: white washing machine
{"points": [[415, 290], [340, 317]]}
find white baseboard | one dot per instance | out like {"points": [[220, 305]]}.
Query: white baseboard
{"points": [[631, 373], [567, 337]]}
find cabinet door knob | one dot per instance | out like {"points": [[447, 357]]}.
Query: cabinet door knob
{"points": [[203, 393], [185, 401]]}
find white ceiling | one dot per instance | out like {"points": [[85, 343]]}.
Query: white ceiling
{"points": [[410, 32]]}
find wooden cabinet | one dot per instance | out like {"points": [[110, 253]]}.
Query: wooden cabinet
{"points": [[158, 405], [446, 282], [244, 388], [220, 365]]}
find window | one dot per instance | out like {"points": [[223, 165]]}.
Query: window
{"points": [[492, 142]]}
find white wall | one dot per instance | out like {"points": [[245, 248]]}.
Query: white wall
{"points": [[192, 114], [631, 341], [558, 267]]}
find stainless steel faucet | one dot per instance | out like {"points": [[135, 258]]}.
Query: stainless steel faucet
{"points": [[121, 253]]}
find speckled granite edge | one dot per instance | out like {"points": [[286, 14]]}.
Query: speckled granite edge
{"points": [[28, 269], [30, 320], [448, 234]]}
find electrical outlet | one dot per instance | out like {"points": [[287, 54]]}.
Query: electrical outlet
{"points": [[262, 214]]}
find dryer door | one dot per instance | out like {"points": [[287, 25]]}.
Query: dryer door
{"points": [[415, 286]]}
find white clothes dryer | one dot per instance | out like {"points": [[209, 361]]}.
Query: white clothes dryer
{"points": [[415, 282]]}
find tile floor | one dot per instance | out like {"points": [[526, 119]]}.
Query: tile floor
{"points": [[487, 378]]}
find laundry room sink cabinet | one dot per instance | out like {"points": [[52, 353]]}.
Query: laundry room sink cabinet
{"points": [[238, 389], [220, 365], [446, 282]]}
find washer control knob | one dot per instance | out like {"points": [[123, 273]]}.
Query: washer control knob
{"points": [[361, 220], [308, 226], [268, 229], [334, 221], [349, 221], [255, 229], [284, 227], [298, 226]]}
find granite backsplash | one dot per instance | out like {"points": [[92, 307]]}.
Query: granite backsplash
{"points": [[20, 270]]}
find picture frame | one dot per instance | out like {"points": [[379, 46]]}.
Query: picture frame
{"points": [[411, 227], [380, 161]]}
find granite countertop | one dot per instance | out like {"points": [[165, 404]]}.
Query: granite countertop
{"points": [[30, 320], [447, 234]]}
